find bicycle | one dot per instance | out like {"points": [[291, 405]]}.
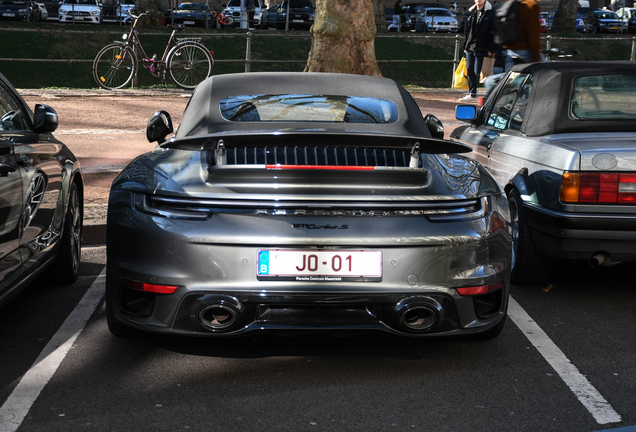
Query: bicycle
{"points": [[188, 62]]}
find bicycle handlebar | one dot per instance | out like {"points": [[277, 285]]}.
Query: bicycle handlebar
{"points": [[137, 16]]}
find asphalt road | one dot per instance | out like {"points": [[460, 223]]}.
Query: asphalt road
{"points": [[564, 362]]}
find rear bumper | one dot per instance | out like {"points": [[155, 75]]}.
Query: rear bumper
{"points": [[578, 237], [406, 314]]}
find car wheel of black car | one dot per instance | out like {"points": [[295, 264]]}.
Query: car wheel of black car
{"points": [[67, 264], [528, 267]]}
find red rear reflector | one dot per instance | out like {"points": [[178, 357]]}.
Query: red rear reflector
{"points": [[153, 288], [482, 289], [321, 167], [589, 188]]}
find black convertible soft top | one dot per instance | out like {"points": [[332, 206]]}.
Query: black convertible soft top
{"points": [[549, 108], [203, 124], [203, 116]]}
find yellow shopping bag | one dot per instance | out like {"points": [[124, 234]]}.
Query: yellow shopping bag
{"points": [[460, 79]]}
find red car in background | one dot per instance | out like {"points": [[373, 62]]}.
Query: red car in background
{"points": [[543, 21]]}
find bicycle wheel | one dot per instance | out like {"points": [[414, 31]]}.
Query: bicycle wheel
{"points": [[114, 66], [189, 63]]}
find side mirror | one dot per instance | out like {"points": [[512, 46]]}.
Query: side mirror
{"points": [[159, 127], [435, 126], [44, 118], [466, 113]]}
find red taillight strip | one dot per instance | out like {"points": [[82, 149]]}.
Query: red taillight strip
{"points": [[153, 288], [482, 289], [321, 167], [604, 188]]}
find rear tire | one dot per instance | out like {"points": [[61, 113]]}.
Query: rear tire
{"points": [[189, 63], [67, 264], [114, 66], [528, 267]]}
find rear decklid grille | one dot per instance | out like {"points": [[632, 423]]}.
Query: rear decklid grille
{"points": [[320, 156]]}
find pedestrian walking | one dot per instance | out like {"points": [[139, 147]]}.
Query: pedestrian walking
{"points": [[479, 43], [250, 7], [527, 48]]}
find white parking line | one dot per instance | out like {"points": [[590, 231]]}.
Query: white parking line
{"points": [[585, 392], [16, 407]]}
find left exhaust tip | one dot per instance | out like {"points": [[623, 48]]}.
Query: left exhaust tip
{"points": [[218, 317]]}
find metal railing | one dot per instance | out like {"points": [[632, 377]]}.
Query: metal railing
{"points": [[248, 61]]}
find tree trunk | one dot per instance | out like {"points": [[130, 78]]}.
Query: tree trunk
{"points": [[380, 17], [565, 17], [343, 38]]}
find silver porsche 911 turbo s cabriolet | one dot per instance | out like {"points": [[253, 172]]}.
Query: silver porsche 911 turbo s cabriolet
{"points": [[309, 202]]}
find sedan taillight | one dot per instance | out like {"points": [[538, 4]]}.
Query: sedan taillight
{"points": [[602, 188]]}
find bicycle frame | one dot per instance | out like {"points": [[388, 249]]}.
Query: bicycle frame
{"points": [[155, 66]]}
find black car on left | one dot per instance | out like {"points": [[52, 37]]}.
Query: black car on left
{"points": [[41, 197]]}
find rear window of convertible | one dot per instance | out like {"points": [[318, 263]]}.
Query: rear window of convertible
{"points": [[308, 108], [604, 97]]}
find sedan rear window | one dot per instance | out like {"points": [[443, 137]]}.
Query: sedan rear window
{"points": [[604, 97], [308, 108]]}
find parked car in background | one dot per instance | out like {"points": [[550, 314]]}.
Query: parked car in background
{"points": [[41, 203], [436, 20], [233, 12], [304, 202], [124, 9], [543, 22], [413, 10], [461, 20], [560, 138], [392, 23], [14, 10], [301, 15], [602, 21], [89, 11], [193, 14], [628, 15], [42, 13], [578, 18]]}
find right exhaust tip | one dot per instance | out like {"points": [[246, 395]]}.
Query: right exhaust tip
{"points": [[417, 318]]}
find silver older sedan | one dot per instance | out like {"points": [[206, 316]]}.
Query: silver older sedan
{"points": [[561, 139], [306, 202]]}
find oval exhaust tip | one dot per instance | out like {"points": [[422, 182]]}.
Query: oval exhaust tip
{"points": [[418, 318], [218, 317]]}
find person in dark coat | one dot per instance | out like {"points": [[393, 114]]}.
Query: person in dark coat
{"points": [[479, 43], [397, 9], [250, 7]]}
